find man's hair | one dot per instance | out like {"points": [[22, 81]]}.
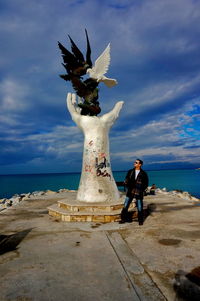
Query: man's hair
{"points": [[141, 162]]}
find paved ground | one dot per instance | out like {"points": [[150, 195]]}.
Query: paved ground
{"points": [[42, 259]]}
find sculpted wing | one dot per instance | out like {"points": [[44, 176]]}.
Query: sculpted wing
{"points": [[88, 53], [77, 53], [101, 64]]}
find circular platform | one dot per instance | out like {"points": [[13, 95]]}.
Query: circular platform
{"points": [[75, 211]]}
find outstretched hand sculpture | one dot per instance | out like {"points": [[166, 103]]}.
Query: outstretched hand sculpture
{"points": [[97, 183]]}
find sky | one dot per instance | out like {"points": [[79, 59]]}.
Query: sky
{"points": [[155, 57]]}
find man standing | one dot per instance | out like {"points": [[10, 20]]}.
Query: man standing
{"points": [[136, 182]]}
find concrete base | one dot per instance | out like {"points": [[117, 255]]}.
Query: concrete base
{"points": [[75, 211]]}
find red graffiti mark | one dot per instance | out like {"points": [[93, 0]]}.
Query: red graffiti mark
{"points": [[102, 155], [88, 168], [91, 142]]}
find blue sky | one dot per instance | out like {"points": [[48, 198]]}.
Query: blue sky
{"points": [[155, 56]]}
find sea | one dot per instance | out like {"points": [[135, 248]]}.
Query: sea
{"points": [[182, 179]]}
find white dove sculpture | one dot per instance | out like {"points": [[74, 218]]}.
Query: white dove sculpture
{"points": [[101, 67]]}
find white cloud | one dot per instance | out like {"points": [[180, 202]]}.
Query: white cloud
{"points": [[13, 95], [58, 142], [162, 93], [158, 140]]}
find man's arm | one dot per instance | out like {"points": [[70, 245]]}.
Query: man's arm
{"points": [[146, 180], [128, 176]]}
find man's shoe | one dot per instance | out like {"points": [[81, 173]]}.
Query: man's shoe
{"points": [[122, 222], [140, 218], [123, 214]]}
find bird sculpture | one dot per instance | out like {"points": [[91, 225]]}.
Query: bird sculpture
{"points": [[77, 66], [74, 62], [101, 67]]}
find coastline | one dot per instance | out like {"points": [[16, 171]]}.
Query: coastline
{"points": [[6, 203], [170, 179]]}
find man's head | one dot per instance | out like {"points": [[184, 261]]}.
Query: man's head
{"points": [[138, 164]]}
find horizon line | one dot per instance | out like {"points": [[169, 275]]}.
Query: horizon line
{"points": [[77, 172]]}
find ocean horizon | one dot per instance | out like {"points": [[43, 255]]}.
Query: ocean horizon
{"points": [[171, 179]]}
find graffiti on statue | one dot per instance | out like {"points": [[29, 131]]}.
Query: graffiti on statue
{"points": [[103, 173], [100, 166], [88, 168], [97, 164]]}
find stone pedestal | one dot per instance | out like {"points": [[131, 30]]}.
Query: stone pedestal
{"points": [[75, 211]]}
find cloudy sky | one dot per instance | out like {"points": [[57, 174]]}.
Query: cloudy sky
{"points": [[155, 56]]}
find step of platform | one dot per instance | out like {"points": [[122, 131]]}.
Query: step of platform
{"points": [[76, 211], [84, 216], [76, 206]]}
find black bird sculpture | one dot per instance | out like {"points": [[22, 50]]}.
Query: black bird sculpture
{"points": [[74, 62], [76, 67]]}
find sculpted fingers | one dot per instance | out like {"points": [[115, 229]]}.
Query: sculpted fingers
{"points": [[72, 106], [113, 114]]}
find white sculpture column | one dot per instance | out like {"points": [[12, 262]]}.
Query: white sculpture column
{"points": [[97, 183]]}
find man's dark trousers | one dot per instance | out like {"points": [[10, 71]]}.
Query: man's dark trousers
{"points": [[139, 205]]}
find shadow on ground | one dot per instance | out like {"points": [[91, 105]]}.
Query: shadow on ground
{"points": [[187, 285], [132, 215], [10, 242]]}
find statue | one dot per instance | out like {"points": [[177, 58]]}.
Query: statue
{"points": [[97, 183], [77, 66]]}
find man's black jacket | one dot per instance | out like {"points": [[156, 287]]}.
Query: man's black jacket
{"points": [[136, 187]]}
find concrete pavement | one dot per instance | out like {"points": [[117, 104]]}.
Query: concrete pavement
{"points": [[43, 259]]}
